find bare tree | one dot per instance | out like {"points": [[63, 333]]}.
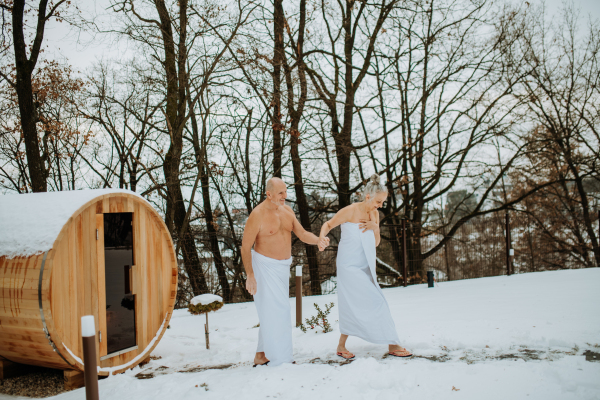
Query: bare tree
{"points": [[169, 43], [125, 103], [24, 66], [562, 94]]}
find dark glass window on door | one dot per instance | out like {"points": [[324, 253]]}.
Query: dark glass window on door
{"points": [[120, 302]]}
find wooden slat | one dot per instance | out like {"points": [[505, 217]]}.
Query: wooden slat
{"points": [[57, 306], [20, 313], [42, 362], [71, 338], [24, 335], [102, 349], [80, 284], [93, 264], [73, 379], [34, 323]]}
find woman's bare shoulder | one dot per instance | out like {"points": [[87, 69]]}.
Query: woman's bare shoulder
{"points": [[348, 211]]}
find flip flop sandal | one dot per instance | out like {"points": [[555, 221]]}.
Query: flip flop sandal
{"points": [[260, 365], [341, 354], [391, 353]]}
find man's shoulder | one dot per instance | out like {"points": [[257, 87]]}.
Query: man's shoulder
{"points": [[289, 211], [256, 212]]}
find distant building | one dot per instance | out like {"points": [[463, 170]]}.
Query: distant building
{"points": [[460, 203]]}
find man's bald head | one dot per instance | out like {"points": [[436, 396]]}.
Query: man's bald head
{"points": [[276, 191], [275, 183]]}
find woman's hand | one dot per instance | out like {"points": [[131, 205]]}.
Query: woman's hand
{"points": [[323, 242], [368, 225]]}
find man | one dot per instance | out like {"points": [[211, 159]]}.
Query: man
{"points": [[269, 228]]}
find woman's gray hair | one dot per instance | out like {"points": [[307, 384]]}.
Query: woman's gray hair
{"points": [[374, 186]]}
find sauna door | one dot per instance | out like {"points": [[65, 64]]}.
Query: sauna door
{"points": [[120, 302]]}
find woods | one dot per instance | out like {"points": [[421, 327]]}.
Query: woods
{"points": [[468, 110]]}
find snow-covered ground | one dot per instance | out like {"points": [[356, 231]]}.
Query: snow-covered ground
{"points": [[517, 337]]}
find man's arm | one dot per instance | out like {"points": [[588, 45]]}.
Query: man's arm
{"points": [[303, 234], [250, 232]]}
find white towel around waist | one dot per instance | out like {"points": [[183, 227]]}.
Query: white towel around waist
{"points": [[273, 307]]}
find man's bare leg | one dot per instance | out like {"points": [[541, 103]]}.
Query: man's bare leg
{"points": [[260, 358], [342, 351]]}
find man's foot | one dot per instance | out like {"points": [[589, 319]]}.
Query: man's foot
{"points": [[400, 352], [258, 365], [260, 359]]}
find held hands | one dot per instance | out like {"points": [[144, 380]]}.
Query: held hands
{"points": [[323, 242], [368, 225], [251, 285]]}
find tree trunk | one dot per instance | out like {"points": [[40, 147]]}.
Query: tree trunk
{"points": [[27, 109], [311, 250], [212, 235], [175, 74], [296, 115], [278, 22]]}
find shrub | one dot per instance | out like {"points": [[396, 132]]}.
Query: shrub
{"points": [[204, 308], [320, 320]]}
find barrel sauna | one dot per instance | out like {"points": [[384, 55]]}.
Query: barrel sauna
{"points": [[105, 253]]}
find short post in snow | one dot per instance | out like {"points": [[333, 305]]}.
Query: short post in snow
{"points": [[206, 333], [405, 278], [88, 336], [299, 295], [429, 278], [508, 249]]}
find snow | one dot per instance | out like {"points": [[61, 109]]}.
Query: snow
{"points": [[518, 337], [205, 299], [30, 223], [139, 357]]}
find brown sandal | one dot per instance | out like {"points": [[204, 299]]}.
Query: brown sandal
{"points": [[346, 355], [400, 353]]}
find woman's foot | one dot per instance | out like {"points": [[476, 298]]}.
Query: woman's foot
{"points": [[344, 353], [398, 351]]}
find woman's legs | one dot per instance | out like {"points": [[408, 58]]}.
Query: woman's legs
{"points": [[342, 344], [342, 351]]}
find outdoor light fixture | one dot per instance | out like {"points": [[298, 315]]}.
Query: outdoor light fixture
{"points": [[298, 294], [88, 338]]}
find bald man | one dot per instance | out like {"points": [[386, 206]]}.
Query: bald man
{"points": [[269, 229]]}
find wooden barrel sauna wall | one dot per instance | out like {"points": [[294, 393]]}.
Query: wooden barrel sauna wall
{"points": [[105, 253]]}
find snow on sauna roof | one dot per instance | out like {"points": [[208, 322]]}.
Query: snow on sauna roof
{"points": [[30, 223]]}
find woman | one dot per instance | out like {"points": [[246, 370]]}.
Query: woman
{"points": [[364, 312]]}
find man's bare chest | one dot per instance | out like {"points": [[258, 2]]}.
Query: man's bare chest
{"points": [[276, 223]]}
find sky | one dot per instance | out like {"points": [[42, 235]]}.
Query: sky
{"points": [[81, 49]]}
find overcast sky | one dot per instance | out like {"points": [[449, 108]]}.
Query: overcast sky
{"points": [[82, 49]]}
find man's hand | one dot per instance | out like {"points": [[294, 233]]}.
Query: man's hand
{"points": [[323, 243], [251, 285]]}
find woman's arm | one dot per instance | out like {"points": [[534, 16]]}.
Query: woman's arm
{"points": [[344, 215]]}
